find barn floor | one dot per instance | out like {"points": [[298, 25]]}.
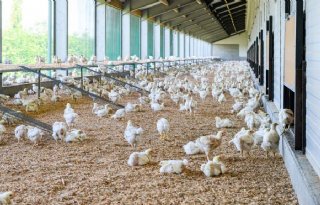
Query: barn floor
{"points": [[96, 171]]}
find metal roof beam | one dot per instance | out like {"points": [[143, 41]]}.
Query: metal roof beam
{"points": [[161, 9]]}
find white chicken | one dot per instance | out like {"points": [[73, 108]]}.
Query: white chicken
{"points": [[6, 198], [2, 129], [243, 141], [214, 167], [75, 136], [68, 108], [104, 111], [114, 96], [163, 128], [191, 148], [96, 107], [21, 132], [59, 130], [237, 106], [203, 94], [210, 142], [271, 140], [140, 158], [173, 166], [252, 120], [258, 135], [133, 107], [132, 134], [156, 106], [222, 98], [119, 114], [223, 123], [286, 118], [70, 118], [34, 134]]}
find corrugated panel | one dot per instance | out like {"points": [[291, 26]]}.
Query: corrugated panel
{"points": [[313, 84], [150, 39], [134, 35], [113, 33]]}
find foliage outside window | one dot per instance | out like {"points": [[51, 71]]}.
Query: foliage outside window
{"points": [[25, 30], [81, 20]]}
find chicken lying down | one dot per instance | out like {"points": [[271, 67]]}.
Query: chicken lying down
{"points": [[163, 128], [103, 111], [210, 142], [173, 166], [119, 114], [6, 198], [214, 167], [140, 158], [271, 140], [223, 123], [132, 134], [156, 106], [191, 148], [59, 131], [75, 136], [133, 107], [286, 118], [243, 140]]}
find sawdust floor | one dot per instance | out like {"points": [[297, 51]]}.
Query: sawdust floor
{"points": [[96, 171]]}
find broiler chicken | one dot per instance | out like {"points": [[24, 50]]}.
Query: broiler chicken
{"points": [[75, 136], [34, 134], [59, 130], [6, 198], [192, 148], [163, 128], [210, 142], [286, 118], [173, 166], [271, 140], [132, 134], [119, 114], [140, 158], [223, 123], [243, 141], [214, 167]]}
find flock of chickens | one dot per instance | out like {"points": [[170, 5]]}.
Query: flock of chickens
{"points": [[229, 77]]}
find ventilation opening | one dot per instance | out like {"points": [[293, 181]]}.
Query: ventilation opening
{"points": [[289, 97]]}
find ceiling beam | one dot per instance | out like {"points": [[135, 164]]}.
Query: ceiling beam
{"points": [[203, 18], [191, 18], [145, 4], [185, 11], [161, 9]]}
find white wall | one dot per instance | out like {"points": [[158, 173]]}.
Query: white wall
{"points": [[241, 40], [313, 83]]}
